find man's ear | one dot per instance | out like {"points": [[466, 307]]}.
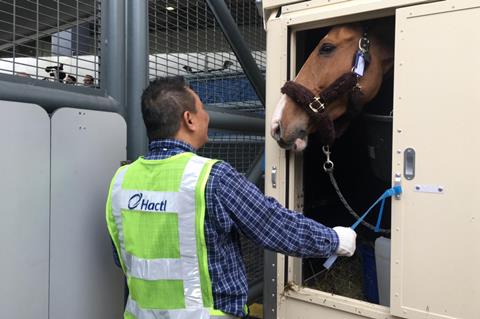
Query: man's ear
{"points": [[188, 121]]}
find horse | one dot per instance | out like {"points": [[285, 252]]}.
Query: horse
{"points": [[330, 89]]}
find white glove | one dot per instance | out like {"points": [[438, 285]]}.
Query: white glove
{"points": [[346, 241]]}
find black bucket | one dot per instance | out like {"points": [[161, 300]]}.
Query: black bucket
{"points": [[379, 144]]}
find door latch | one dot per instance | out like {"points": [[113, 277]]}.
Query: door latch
{"points": [[274, 176], [397, 182]]}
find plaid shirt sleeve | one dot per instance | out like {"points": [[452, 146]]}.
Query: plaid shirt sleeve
{"points": [[240, 204]]}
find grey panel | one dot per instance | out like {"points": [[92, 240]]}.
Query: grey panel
{"points": [[24, 212], [87, 147]]}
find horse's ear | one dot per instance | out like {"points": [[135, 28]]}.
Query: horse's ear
{"points": [[383, 30]]}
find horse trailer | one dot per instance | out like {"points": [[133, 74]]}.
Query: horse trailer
{"points": [[426, 266]]}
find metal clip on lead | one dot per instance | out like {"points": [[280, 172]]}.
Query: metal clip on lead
{"points": [[328, 165]]}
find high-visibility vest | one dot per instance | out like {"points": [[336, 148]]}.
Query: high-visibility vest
{"points": [[155, 216]]}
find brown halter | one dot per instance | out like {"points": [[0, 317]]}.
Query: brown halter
{"points": [[315, 106]]}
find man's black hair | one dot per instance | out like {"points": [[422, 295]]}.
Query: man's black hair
{"points": [[163, 103]]}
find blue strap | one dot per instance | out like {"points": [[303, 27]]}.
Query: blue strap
{"points": [[380, 213], [396, 190]]}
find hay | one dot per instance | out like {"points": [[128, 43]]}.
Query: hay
{"points": [[344, 278]]}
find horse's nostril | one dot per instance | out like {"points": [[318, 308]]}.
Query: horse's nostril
{"points": [[282, 143], [302, 133], [276, 132]]}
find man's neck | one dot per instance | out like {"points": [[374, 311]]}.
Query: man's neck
{"points": [[186, 139]]}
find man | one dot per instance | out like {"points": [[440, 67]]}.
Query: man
{"points": [[88, 80], [70, 79], [175, 218]]}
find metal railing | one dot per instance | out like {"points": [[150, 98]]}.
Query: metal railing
{"points": [[55, 41]]}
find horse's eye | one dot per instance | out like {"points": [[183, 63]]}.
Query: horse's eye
{"points": [[327, 48]]}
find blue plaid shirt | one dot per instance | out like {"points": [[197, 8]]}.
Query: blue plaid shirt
{"points": [[234, 205]]}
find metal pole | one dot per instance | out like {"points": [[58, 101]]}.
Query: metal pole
{"points": [[239, 47], [137, 70], [112, 75], [53, 98], [256, 171], [270, 285], [225, 119]]}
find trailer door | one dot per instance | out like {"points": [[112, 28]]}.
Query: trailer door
{"points": [[436, 224]]}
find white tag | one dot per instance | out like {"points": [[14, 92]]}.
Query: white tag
{"points": [[359, 67]]}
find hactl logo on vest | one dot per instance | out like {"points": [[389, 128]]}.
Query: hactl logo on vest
{"points": [[146, 204]]}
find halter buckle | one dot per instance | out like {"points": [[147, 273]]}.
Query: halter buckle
{"points": [[319, 108]]}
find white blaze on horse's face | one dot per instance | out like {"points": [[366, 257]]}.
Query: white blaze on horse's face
{"points": [[332, 57], [277, 116], [276, 130]]}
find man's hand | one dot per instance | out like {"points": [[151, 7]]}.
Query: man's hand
{"points": [[346, 241]]}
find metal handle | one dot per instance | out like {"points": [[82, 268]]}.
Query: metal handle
{"points": [[409, 164], [274, 176]]}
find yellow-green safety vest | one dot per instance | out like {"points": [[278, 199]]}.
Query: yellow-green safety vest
{"points": [[155, 216]]}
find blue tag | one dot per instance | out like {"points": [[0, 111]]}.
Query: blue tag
{"points": [[359, 66]]}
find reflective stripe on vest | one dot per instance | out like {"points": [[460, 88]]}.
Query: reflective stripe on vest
{"points": [[186, 267], [133, 308]]}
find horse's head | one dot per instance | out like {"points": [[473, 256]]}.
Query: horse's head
{"points": [[331, 58]]}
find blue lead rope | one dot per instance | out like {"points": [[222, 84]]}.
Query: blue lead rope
{"points": [[396, 190]]}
